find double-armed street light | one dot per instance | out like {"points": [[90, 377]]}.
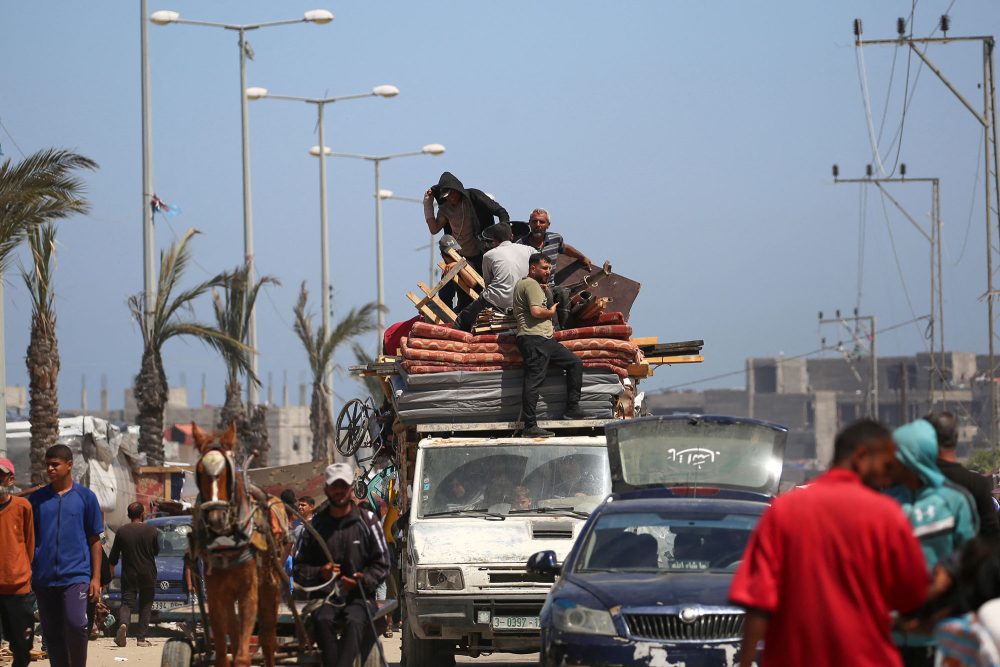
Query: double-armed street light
{"points": [[317, 16], [386, 91], [377, 160]]}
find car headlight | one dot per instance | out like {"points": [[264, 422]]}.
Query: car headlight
{"points": [[439, 579], [115, 585], [568, 616]]}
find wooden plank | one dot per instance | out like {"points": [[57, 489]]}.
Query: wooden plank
{"points": [[473, 294], [422, 308], [554, 424], [648, 340], [437, 302], [640, 370], [679, 359], [475, 274]]}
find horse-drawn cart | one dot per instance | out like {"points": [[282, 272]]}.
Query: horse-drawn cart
{"points": [[193, 647]]}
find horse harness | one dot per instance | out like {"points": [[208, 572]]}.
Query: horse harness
{"points": [[229, 546]]}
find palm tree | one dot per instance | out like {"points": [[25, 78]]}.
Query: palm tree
{"points": [[37, 190], [42, 357], [320, 348], [40, 189], [233, 305], [166, 323]]}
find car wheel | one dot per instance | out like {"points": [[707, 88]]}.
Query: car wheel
{"points": [[176, 653]]}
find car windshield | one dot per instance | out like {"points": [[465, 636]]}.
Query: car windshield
{"points": [[173, 538], [665, 542], [512, 478]]}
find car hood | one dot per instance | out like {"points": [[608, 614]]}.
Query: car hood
{"points": [[643, 589], [463, 540]]}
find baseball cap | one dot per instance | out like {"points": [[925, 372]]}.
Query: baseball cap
{"points": [[339, 471], [6, 467]]}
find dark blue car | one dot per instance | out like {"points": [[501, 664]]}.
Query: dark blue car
{"points": [[647, 580], [171, 585]]}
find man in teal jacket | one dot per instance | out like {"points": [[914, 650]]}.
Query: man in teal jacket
{"points": [[942, 515]]}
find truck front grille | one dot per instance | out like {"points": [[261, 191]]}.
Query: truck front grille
{"points": [[670, 627], [520, 578]]}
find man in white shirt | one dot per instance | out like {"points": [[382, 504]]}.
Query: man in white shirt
{"points": [[503, 265]]}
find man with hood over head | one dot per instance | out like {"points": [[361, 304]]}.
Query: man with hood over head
{"points": [[942, 515], [463, 213]]}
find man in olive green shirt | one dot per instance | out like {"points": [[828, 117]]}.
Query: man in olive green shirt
{"points": [[539, 349]]}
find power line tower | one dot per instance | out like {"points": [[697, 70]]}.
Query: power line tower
{"points": [[988, 120], [933, 237]]}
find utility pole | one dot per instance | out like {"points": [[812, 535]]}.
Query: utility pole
{"points": [[933, 238], [872, 358], [988, 120]]}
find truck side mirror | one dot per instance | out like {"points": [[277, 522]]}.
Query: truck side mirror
{"points": [[544, 562]]}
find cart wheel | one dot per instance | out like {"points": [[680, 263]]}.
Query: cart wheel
{"points": [[176, 653], [360, 488], [352, 432]]}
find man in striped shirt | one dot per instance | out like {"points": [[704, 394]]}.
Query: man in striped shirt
{"points": [[549, 243]]}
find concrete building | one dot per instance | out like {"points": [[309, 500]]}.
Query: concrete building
{"points": [[814, 398]]}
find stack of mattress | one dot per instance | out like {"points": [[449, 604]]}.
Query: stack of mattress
{"points": [[449, 375], [430, 348]]}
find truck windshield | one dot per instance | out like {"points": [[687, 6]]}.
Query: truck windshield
{"points": [[513, 478]]}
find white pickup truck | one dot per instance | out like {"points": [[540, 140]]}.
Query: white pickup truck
{"points": [[480, 507]]}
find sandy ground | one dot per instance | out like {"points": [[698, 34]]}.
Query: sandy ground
{"points": [[103, 653]]}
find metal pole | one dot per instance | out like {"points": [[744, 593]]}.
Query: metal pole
{"points": [[936, 212], [987, 68], [248, 221], [3, 378], [148, 234], [990, 113], [430, 276], [874, 359], [378, 260], [324, 243], [934, 370]]}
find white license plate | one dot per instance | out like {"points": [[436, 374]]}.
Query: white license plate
{"points": [[515, 623], [160, 605]]}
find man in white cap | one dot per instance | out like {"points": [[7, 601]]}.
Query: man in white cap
{"points": [[17, 544], [356, 542]]}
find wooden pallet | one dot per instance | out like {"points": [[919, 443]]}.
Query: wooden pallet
{"points": [[430, 305]]}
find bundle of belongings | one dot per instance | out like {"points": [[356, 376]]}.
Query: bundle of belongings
{"points": [[465, 377]]}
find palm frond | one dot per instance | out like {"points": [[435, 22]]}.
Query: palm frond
{"points": [[42, 242], [233, 304], [39, 189]]}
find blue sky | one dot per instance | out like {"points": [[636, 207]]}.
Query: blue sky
{"points": [[690, 143]]}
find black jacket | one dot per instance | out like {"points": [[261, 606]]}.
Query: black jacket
{"points": [[981, 489], [355, 541], [484, 206]]}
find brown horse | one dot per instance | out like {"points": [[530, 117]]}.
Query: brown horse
{"points": [[242, 537]]}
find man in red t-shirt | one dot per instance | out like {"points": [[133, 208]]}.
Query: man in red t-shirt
{"points": [[17, 544], [828, 563]]}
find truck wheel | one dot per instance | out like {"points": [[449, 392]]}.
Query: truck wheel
{"points": [[176, 653], [417, 652]]}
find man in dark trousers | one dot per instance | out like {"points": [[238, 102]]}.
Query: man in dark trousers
{"points": [[137, 545], [979, 486], [66, 570], [539, 349], [17, 544], [355, 539], [463, 213]]}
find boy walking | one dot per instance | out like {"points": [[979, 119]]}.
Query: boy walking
{"points": [[66, 570]]}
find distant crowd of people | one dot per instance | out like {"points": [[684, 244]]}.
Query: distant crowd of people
{"points": [[892, 557]]}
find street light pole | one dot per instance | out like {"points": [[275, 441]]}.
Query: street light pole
{"points": [[148, 238], [317, 16], [429, 149], [388, 194]]}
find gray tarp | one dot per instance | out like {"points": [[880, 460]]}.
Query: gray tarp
{"points": [[476, 396]]}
